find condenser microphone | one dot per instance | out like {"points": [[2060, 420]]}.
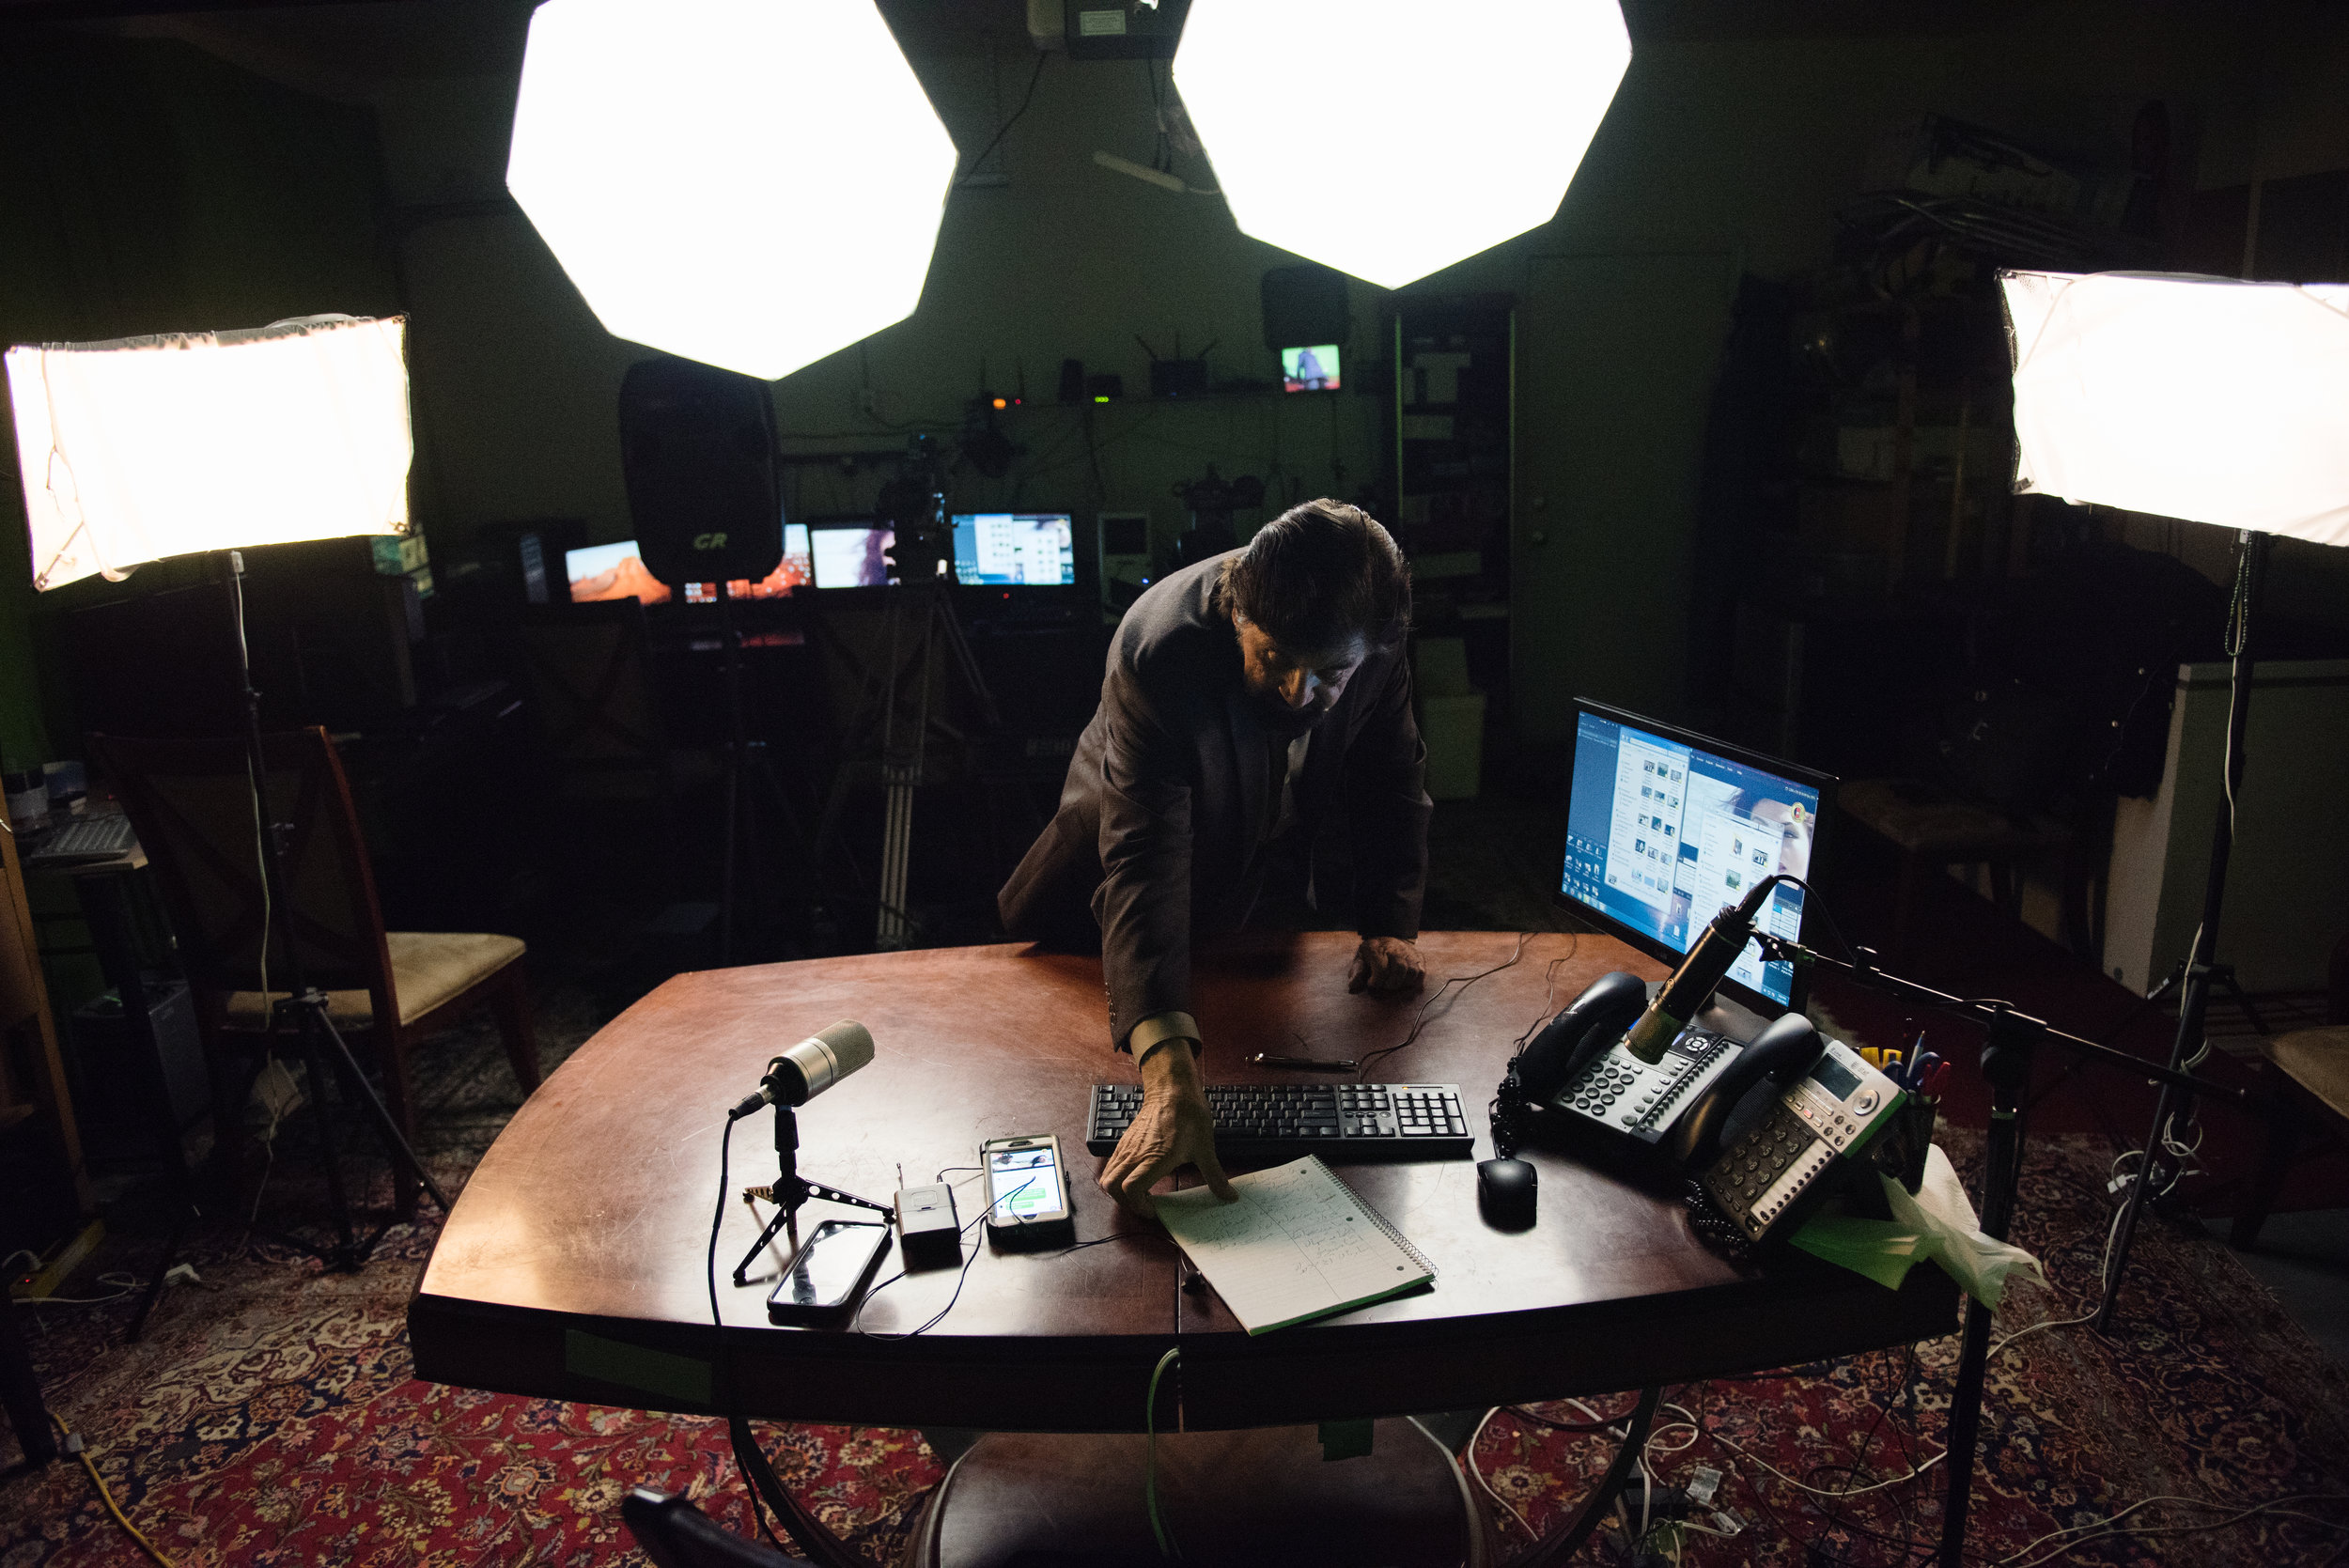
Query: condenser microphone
{"points": [[810, 1067], [1706, 966]]}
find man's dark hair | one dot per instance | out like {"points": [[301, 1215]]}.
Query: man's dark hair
{"points": [[1319, 575]]}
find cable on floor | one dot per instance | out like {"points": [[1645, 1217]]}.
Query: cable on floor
{"points": [[75, 1446]]}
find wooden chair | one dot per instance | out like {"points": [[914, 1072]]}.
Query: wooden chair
{"points": [[2309, 1072], [191, 804], [1934, 829]]}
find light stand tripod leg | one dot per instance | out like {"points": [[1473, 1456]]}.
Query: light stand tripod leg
{"points": [[373, 1104], [2006, 1063]]}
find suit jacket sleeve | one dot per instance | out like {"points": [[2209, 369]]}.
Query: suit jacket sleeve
{"points": [[1388, 811], [1143, 902]]}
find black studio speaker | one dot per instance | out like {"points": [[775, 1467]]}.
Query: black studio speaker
{"points": [[1304, 304], [697, 447]]}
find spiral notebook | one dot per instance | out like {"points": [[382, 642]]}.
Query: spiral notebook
{"points": [[1298, 1245]]}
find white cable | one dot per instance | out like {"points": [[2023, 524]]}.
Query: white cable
{"points": [[2105, 1531], [1469, 1457]]}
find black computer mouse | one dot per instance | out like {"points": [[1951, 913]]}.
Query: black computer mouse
{"points": [[1505, 1190]]}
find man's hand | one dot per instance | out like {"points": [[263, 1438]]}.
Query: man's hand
{"points": [[1175, 1127], [1387, 964]]}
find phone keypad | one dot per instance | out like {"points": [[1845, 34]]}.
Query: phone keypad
{"points": [[1751, 1181], [1618, 1090]]}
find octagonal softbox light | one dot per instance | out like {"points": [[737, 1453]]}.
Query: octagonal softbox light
{"points": [[749, 183], [1389, 138]]}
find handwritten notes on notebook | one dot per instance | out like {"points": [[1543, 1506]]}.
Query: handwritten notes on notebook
{"points": [[1298, 1245]]}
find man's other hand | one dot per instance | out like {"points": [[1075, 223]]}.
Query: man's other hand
{"points": [[1173, 1128], [1387, 964]]}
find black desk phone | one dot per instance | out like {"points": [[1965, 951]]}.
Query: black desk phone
{"points": [[1823, 1108], [1578, 1074]]}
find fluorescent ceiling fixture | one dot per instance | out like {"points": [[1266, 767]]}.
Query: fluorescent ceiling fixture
{"points": [[151, 446], [1389, 138], [749, 183], [2202, 398]]}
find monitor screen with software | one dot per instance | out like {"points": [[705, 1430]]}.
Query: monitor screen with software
{"points": [[1015, 548], [1665, 826]]}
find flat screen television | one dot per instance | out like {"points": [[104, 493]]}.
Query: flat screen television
{"points": [[1311, 368], [851, 553]]}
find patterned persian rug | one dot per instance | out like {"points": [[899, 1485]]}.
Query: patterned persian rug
{"points": [[268, 1420]]}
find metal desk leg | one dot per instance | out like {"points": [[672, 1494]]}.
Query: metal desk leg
{"points": [[1561, 1544]]}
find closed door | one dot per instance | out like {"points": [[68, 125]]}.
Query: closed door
{"points": [[1617, 356]]}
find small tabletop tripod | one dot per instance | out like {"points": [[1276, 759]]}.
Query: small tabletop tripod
{"points": [[790, 1190]]}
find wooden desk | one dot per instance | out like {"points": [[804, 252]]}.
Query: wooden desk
{"points": [[573, 1265]]}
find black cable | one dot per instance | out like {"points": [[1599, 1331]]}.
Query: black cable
{"points": [[1005, 127], [717, 1321], [1419, 1022]]}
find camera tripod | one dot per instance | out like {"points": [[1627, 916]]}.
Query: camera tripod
{"points": [[920, 637]]}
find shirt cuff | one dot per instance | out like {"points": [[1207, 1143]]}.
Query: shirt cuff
{"points": [[1159, 1028]]}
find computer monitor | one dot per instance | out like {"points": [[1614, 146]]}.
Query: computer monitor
{"points": [[612, 571], [793, 571], [1664, 827], [1013, 549], [851, 553], [1313, 368]]}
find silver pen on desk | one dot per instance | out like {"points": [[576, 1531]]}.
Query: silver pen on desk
{"points": [[1306, 1064]]}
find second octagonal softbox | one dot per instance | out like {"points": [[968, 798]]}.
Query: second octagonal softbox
{"points": [[697, 446]]}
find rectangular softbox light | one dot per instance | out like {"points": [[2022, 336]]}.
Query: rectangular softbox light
{"points": [[2204, 399], [145, 447]]}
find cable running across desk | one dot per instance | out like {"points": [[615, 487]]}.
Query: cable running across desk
{"points": [[1464, 981]]}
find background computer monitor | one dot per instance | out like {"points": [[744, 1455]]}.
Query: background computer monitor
{"points": [[794, 570], [612, 571], [1664, 827], [850, 552], [1310, 368], [1013, 549]]}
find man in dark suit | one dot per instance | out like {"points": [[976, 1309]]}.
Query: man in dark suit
{"points": [[1246, 697]]}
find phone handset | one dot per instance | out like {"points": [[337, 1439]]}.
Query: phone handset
{"points": [[1782, 1052], [1590, 1024]]}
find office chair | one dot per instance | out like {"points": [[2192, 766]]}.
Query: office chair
{"points": [[675, 1534]]}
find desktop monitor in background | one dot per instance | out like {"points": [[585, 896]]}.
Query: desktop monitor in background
{"points": [[1015, 548], [612, 571], [850, 553], [794, 570], [1665, 826], [1310, 369]]}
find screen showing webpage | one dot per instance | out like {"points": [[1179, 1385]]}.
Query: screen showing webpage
{"points": [[1661, 835], [1009, 549]]}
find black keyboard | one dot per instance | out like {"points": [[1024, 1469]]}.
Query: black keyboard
{"points": [[1342, 1121]]}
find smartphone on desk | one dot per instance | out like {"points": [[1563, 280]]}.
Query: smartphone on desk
{"points": [[824, 1277], [1027, 1191]]}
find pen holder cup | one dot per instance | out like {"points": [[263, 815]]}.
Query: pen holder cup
{"points": [[1901, 1152]]}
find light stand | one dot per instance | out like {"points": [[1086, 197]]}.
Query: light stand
{"points": [[140, 448], [743, 756], [303, 1002], [2200, 967], [2009, 1050]]}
